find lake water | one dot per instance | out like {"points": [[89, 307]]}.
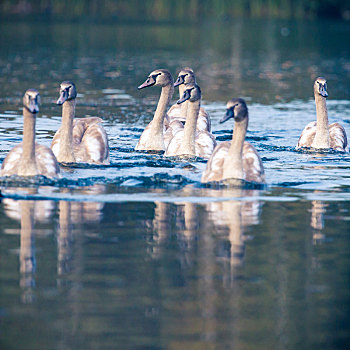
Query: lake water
{"points": [[139, 255]]}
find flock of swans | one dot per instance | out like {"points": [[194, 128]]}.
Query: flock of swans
{"points": [[183, 130]]}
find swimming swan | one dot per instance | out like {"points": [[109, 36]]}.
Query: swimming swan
{"points": [[29, 158], [185, 79], [82, 140], [236, 159], [152, 137], [319, 134], [189, 141]]}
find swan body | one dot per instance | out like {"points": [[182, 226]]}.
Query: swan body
{"points": [[236, 159], [319, 134], [187, 78], [173, 127], [29, 158], [152, 138], [189, 141], [81, 140]]}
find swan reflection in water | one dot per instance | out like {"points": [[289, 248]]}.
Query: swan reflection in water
{"points": [[31, 213], [231, 219], [27, 212], [71, 216], [318, 209], [226, 219]]}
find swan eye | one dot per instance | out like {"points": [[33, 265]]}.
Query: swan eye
{"points": [[155, 76]]}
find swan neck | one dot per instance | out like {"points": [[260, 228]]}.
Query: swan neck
{"points": [[322, 129], [65, 153], [188, 142], [233, 166], [182, 89], [184, 109], [28, 164], [163, 103]]}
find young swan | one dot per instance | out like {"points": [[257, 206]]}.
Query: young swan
{"points": [[236, 159], [152, 137], [81, 140], [29, 158], [185, 79], [319, 134], [189, 141]]}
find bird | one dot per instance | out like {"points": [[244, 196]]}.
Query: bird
{"points": [[319, 134], [236, 159], [30, 158], [152, 137], [186, 78], [189, 141], [81, 140]]}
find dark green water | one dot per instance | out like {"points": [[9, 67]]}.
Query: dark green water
{"points": [[138, 255]]}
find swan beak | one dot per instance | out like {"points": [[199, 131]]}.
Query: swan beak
{"points": [[63, 97], [186, 96], [149, 82], [229, 114], [322, 90], [180, 80], [33, 105]]}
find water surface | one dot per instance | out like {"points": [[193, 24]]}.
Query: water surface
{"points": [[140, 255]]}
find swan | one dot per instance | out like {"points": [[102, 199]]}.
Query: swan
{"points": [[152, 137], [82, 140], [319, 134], [29, 158], [187, 78], [189, 141], [236, 159]]}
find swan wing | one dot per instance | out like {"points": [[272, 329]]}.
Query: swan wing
{"points": [[215, 164], [46, 162], [174, 144], [205, 144], [338, 138], [174, 127], [203, 121], [94, 140], [307, 136], [10, 164], [252, 164]]}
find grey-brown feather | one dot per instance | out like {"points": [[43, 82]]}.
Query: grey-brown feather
{"points": [[90, 141], [46, 162], [337, 136], [252, 165]]}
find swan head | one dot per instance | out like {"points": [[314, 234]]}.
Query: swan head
{"points": [[320, 87], [31, 100], [159, 77], [186, 76], [237, 109], [68, 91], [192, 94]]}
